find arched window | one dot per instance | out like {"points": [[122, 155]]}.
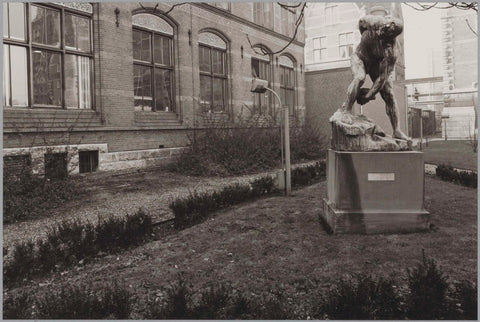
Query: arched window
{"points": [[153, 63], [287, 83], [213, 72], [261, 68]]}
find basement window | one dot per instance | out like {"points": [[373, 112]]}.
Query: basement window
{"points": [[88, 161], [56, 165], [16, 164]]}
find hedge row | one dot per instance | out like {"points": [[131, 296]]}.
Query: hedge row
{"points": [[448, 173], [197, 206], [71, 242], [427, 296]]}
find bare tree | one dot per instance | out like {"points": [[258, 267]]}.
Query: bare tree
{"points": [[292, 8]]}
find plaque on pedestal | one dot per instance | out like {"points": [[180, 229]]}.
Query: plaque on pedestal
{"points": [[375, 192]]}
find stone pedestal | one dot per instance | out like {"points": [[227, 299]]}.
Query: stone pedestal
{"points": [[375, 192]]}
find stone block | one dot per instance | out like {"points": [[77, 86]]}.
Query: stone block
{"points": [[374, 192]]}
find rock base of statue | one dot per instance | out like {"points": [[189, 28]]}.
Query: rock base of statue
{"points": [[358, 133], [375, 192]]}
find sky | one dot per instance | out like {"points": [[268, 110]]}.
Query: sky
{"points": [[422, 33]]}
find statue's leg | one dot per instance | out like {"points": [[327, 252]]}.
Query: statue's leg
{"points": [[392, 110], [358, 71]]}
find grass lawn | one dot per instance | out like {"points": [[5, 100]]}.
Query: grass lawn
{"points": [[459, 154], [278, 242]]}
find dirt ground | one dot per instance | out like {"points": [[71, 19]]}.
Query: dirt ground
{"points": [[279, 241]]}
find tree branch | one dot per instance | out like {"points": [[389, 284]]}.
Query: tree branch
{"points": [[297, 25], [459, 5], [468, 24]]}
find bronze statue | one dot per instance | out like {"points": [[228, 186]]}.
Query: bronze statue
{"points": [[375, 55]]}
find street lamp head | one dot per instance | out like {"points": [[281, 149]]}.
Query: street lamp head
{"points": [[259, 85]]}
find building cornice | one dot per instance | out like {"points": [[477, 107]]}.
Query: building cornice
{"points": [[230, 15]]}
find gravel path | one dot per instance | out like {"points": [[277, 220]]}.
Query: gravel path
{"points": [[120, 193]]}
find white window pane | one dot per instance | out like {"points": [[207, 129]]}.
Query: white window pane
{"points": [[17, 20], [316, 43], [77, 32], [71, 81], [19, 74], [323, 54], [323, 42], [350, 38], [84, 79], [6, 75], [342, 39]]}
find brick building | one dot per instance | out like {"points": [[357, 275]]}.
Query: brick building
{"points": [[331, 32], [118, 85]]}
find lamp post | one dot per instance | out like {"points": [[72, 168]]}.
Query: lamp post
{"points": [[260, 86]]}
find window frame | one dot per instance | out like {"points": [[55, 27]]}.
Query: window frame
{"points": [[334, 15], [257, 96], [320, 49], [153, 65], [293, 88], [31, 46], [214, 76], [345, 45], [259, 19]]}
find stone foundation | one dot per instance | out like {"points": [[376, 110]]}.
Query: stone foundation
{"points": [[375, 192]]}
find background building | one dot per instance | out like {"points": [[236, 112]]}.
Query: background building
{"points": [[460, 60], [331, 31], [119, 84]]}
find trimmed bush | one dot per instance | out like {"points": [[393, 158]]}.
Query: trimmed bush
{"points": [[448, 173], [303, 176], [197, 206], [72, 302], [17, 306], [427, 297], [71, 242], [361, 297], [218, 302], [466, 300]]}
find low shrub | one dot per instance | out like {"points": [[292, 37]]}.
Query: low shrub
{"points": [[196, 206], [248, 146], [361, 297], [427, 296], [303, 176], [448, 173], [17, 306], [466, 300], [217, 302], [72, 302], [71, 242], [26, 196]]}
